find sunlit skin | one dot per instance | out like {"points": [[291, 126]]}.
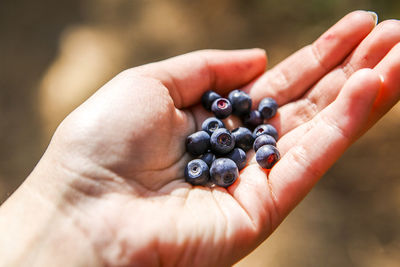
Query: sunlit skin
{"points": [[110, 191]]}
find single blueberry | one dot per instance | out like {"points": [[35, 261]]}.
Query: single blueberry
{"points": [[197, 172], [221, 108], [264, 139], [267, 156], [243, 138], [224, 172], [241, 102], [222, 142], [265, 129], [198, 143], [211, 124], [253, 119], [208, 98], [238, 156], [268, 107], [208, 158]]}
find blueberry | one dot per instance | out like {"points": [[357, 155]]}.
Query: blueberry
{"points": [[239, 157], [208, 158], [211, 124], [253, 119], [224, 172], [267, 156], [197, 172], [243, 138], [241, 102], [208, 98], [264, 139], [265, 129], [221, 108], [268, 107], [222, 142], [198, 143]]}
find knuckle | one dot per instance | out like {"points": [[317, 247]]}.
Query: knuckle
{"points": [[299, 156], [318, 56], [335, 127]]}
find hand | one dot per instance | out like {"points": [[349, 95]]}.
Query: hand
{"points": [[115, 165]]}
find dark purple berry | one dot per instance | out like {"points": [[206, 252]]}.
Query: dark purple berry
{"points": [[241, 102], [268, 107], [224, 172], [264, 139], [208, 98], [198, 143], [265, 129], [197, 172], [243, 138], [267, 156], [208, 158], [253, 119], [238, 156], [221, 108], [212, 124], [222, 142]]}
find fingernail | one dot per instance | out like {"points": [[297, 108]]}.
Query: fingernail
{"points": [[374, 15]]}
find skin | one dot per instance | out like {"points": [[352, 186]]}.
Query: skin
{"points": [[109, 190]]}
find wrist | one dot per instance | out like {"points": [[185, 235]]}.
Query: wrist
{"points": [[39, 228]]}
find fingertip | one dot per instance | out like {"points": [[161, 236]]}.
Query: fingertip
{"points": [[255, 55], [260, 53], [363, 16], [366, 74], [235, 68], [389, 94], [257, 52], [360, 92], [374, 16], [356, 99], [365, 81], [243, 54]]}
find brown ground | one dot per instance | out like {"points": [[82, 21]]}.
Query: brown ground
{"points": [[56, 53]]}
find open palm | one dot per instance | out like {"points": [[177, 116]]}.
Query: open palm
{"points": [[125, 146]]}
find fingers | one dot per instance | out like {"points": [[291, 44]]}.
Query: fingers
{"points": [[291, 78], [312, 148], [188, 76], [367, 55], [389, 95]]}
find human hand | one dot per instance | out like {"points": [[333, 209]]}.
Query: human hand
{"points": [[117, 161]]}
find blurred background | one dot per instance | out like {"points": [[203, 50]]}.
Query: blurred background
{"points": [[54, 54]]}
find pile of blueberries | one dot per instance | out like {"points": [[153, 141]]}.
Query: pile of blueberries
{"points": [[221, 153]]}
